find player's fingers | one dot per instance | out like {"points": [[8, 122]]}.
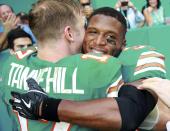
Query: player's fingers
{"points": [[137, 84], [15, 95], [32, 84], [27, 116], [18, 110], [154, 79], [16, 105], [21, 113], [26, 113], [19, 107], [11, 101], [147, 83]]}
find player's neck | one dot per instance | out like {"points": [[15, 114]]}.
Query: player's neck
{"points": [[53, 52]]}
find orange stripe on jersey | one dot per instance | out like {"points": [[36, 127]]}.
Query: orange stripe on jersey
{"points": [[149, 65], [17, 114], [135, 47], [152, 55], [111, 89], [22, 122], [102, 58], [53, 126], [115, 88]]}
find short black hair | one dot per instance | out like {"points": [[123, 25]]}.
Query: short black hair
{"points": [[158, 5], [108, 11], [14, 34]]}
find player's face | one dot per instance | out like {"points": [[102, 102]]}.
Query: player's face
{"points": [[5, 11], [104, 35], [22, 43]]}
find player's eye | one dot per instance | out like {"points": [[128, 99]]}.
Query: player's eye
{"points": [[110, 40]]}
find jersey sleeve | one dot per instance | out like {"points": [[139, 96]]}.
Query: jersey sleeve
{"points": [[5, 117], [142, 62], [114, 87]]}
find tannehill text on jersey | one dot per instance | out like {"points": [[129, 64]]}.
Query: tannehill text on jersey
{"points": [[54, 79]]}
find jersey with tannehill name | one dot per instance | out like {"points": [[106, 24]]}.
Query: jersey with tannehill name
{"points": [[78, 77], [140, 62]]}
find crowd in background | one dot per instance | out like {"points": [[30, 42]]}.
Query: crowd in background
{"points": [[151, 14]]}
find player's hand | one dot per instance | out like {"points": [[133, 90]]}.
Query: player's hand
{"points": [[161, 87], [29, 104]]}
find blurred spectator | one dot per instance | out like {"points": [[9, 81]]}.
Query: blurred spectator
{"points": [[23, 18], [23, 22], [153, 12], [17, 39], [8, 22], [133, 16], [86, 7]]}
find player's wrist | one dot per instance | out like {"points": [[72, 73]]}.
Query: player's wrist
{"points": [[49, 109]]}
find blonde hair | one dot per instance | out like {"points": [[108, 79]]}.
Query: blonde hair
{"points": [[49, 17]]}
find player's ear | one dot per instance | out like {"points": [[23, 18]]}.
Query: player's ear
{"points": [[68, 33], [123, 44]]}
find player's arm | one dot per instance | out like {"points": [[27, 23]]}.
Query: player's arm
{"points": [[100, 113], [125, 112], [158, 85]]}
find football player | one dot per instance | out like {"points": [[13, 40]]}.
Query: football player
{"points": [[58, 26], [139, 62]]}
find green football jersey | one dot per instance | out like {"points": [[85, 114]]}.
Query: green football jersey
{"points": [[6, 122], [140, 62], [78, 77], [4, 56]]}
